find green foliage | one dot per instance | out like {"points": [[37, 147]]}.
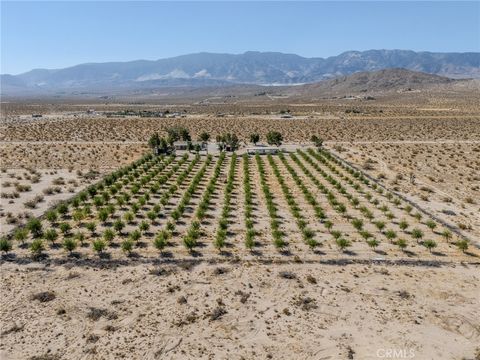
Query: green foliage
{"points": [[36, 247], [402, 244], [317, 141], [254, 138], [373, 243], [21, 235], [69, 244], [127, 246], [35, 227], [161, 240], [91, 226], [390, 234], [135, 235], [343, 243], [144, 226], [51, 216], [65, 228], [5, 245], [403, 224], [380, 225], [274, 138], [357, 224], [108, 235], [462, 245], [431, 224], [50, 235], [118, 225], [429, 244], [99, 245], [417, 234]]}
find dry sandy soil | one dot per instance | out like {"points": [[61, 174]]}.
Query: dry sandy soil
{"points": [[29, 192], [245, 310], [447, 176], [298, 304]]}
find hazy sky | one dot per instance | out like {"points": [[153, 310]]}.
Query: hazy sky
{"points": [[59, 34]]}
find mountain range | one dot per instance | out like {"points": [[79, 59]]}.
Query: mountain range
{"points": [[209, 69]]}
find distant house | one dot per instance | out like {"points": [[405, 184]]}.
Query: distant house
{"points": [[187, 145], [36, 115], [262, 150]]}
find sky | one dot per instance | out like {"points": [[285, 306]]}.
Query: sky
{"points": [[59, 34]]}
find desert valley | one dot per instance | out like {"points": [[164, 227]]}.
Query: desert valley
{"points": [[359, 242]]}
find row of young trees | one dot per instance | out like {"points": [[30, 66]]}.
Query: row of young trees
{"points": [[277, 234], [391, 235], [307, 233], [247, 189], [223, 222], [194, 231]]}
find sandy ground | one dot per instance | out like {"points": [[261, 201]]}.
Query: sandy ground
{"points": [[447, 176], [52, 185], [241, 310]]}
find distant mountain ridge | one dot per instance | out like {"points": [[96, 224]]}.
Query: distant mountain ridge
{"points": [[259, 68]]}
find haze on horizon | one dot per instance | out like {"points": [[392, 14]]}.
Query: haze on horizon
{"points": [[61, 34]]}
